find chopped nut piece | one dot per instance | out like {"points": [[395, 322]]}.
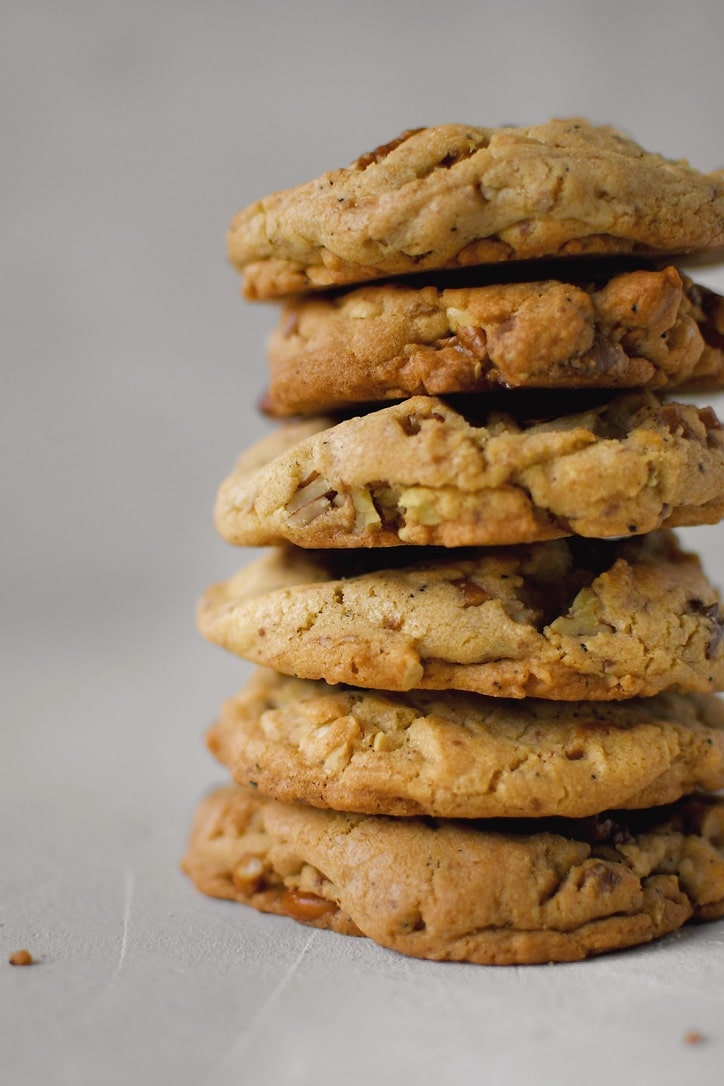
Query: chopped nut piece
{"points": [[314, 497], [310, 488], [472, 593], [305, 514], [420, 503], [365, 514], [382, 742]]}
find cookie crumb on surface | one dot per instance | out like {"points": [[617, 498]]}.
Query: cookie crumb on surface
{"points": [[21, 957], [693, 1037]]}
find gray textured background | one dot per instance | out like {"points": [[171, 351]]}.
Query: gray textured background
{"points": [[130, 374]]}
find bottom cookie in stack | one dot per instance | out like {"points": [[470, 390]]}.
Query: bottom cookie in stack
{"points": [[493, 893], [536, 831]]}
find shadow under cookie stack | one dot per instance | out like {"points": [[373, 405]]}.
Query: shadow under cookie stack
{"points": [[484, 724]]}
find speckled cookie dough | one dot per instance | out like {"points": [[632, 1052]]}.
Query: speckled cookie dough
{"points": [[639, 328], [457, 195], [420, 473], [454, 755], [515, 892], [565, 620]]}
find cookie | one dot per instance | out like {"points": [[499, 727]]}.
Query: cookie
{"points": [[456, 755], [566, 620], [493, 893], [421, 472], [454, 196], [383, 342]]}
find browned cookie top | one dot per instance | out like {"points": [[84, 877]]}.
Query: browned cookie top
{"points": [[382, 342], [456, 195]]}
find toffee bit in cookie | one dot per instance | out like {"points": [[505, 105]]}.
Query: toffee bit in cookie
{"points": [[306, 907], [472, 594], [21, 957]]}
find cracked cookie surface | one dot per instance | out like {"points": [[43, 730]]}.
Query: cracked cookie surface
{"points": [[638, 328], [520, 891], [455, 195], [454, 755], [420, 473], [566, 620]]}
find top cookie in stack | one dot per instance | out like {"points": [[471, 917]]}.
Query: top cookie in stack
{"points": [[455, 196], [514, 294]]}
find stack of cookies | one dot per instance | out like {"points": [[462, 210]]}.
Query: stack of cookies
{"points": [[484, 725]]}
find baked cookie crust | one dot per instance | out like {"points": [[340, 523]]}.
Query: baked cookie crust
{"points": [[419, 472], [455, 195], [635, 329], [565, 620], [519, 892], [457, 755]]}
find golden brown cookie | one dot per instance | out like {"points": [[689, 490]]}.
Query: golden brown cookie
{"points": [[566, 620], [493, 893], [456, 755], [421, 472], [383, 342], [455, 195]]}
